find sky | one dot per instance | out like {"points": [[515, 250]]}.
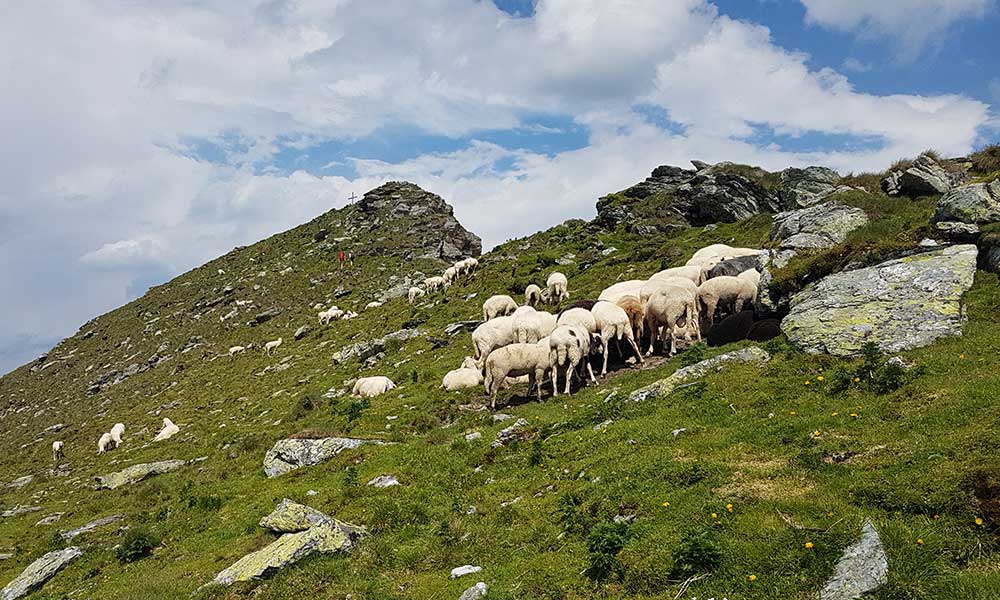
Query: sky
{"points": [[141, 138]]}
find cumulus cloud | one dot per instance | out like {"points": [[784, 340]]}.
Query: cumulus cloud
{"points": [[913, 25], [125, 255]]}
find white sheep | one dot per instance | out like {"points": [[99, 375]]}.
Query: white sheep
{"points": [[666, 310], [695, 273], [618, 290], [709, 256], [613, 323], [116, 433], [449, 275], [272, 346], [435, 283], [529, 327], [415, 293], [532, 295], [348, 315], [168, 430], [580, 317], [558, 286], [373, 304], [469, 266], [492, 335], [105, 443], [369, 387], [498, 306], [234, 350], [57, 451], [517, 360], [751, 275], [522, 310], [733, 292], [460, 379], [569, 346], [331, 314]]}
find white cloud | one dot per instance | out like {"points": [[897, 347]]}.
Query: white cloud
{"points": [[913, 25], [855, 65], [126, 255]]}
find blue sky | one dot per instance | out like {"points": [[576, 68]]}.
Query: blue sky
{"points": [[145, 138]]}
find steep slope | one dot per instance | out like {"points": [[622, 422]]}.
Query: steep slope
{"points": [[766, 458]]}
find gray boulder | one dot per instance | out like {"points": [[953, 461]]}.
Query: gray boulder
{"points": [[286, 550], [290, 454], [72, 533], [475, 592], [291, 517], [801, 188], [861, 570], [974, 203], [365, 350], [900, 304], [714, 196], [17, 511], [696, 371], [510, 433], [137, 473], [40, 571], [923, 178], [957, 231], [819, 226]]}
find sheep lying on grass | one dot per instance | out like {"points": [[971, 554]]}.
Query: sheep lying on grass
{"points": [[168, 430], [369, 387]]}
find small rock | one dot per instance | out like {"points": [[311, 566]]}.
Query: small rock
{"points": [[19, 510], [509, 433], [301, 332], [311, 493], [384, 481], [137, 473], [677, 432], [603, 425], [290, 454], [49, 519], [683, 375], [501, 417], [69, 535], [862, 569], [20, 482], [464, 570], [475, 435], [475, 592]]}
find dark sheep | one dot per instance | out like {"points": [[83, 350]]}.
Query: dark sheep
{"points": [[584, 304], [731, 329], [764, 330], [734, 266]]}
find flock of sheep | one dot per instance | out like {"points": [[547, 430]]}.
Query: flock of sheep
{"points": [[110, 440], [465, 267]]}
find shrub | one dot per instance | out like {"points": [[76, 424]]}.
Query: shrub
{"points": [[696, 554], [569, 514], [355, 408], [694, 354], [986, 160], [207, 503], [537, 455], [138, 543], [302, 406], [604, 542]]}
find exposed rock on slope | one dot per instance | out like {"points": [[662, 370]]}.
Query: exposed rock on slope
{"points": [[39, 572], [976, 203], [926, 176], [861, 570], [801, 188], [819, 226], [899, 304], [290, 454]]}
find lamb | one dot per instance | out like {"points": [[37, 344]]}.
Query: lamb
{"points": [[168, 431], [369, 387], [517, 360], [105, 443], [492, 335], [57, 451], [668, 308], [622, 288], [415, 293], [613, 322], [751, 275], [532, 295], [725, 290], [373, 304], [530, 327], [636, 314], [272, 345], [580, 317], [693, 272], [460, 379], [436, 283], [558, 286], [330, 314], [116, 433], [570, 345], [498, 306], [233, 351]]}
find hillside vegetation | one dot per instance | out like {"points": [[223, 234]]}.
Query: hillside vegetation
{"points": [[748, 483]]}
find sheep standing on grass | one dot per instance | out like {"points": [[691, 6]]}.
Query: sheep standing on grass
{"points": [[492, 335], [727, 292], [449, 275], [636, 315], [436, 283], [467, 266], [415, 293], [167, 432], [105, 443], [558, 286], [233, 351], [532, 295], [331, 314], [272, 346], [517, 360], [369, 387], [116, 433], [666, 310], [57, 451], [613, 323], [570, 347], [532, 326], [500, 305]]}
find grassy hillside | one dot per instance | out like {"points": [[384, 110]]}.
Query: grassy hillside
{"points": [[771, 478]]}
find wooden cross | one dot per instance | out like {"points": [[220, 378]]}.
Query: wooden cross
{"points": [[352, 197]]}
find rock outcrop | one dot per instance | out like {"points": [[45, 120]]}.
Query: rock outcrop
{"points": [[291, 517], [137, 473], [976, 203], [72, 533], [861, 570], [696, 371], [801, 188], [922, 178], [819, 226], [716, 195], [290, 454], [900, 304], [40, 571]]}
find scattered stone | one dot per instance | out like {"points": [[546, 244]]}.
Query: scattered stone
{"points": [[290, 454], [20, 482], [301, 332], [509, 433], [40, 571], [384, 481], [286, 550], [498, 417], [291, 517], [603, 425], [677, 432], [475, 592], [714, 195], [684, 375], [72, 533], [507, 503], [861, 570], [19, 510], [49, 519], [900, 304], [455, 328], [820, 226], [264, 317], [928, 243], [977, 203], [312, 493], [957, 231], [475, 435], [464, 570], [137, 473], [364, 350], [6, 555], [923, 178]]}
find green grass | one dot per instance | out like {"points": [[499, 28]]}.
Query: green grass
{"points": [[917, 452]]}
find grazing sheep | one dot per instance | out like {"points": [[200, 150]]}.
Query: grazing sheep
{"points": [[666, 310], [613, 323], [651, 287], [236, 350], [105, 443], [463, 378], [570, 346], [673, 286], [516, 360], [717, 253], [733, 328], [436, 283], [373, 304], [622, 288], [415, 293], [369, 387], [522, 310], [578, 316], [636, 314], [763, 330], [469, 266], [57, 451], [168, 430], [272, 346], [492, 335], [331, 314], [558, 286], [731, 292], [530, 327], [584, 304], [116, 433], [532, 295], [498, 306], [751, 275], [734, 266], [693, 272]]}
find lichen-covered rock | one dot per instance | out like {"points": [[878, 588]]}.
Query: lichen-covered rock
{"points": [[365, 350], [290, 454], [819, 226], [17, 511], [475, 592], [684, 375], [291, 517], [72, 533], [801, 188], [137, 473], [900, 304], [957, 231], [40, 571], [923, 178], [284, 551], [975, 203], [861, 570]]}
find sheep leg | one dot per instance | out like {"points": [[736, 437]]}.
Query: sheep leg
{"points": [[635, 348], [569, 374], [555, 380], [590, 370]]}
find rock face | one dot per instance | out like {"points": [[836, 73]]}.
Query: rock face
{"points": [[900, 304], [684, 375], [40, 571], [801, 188], [290, 454], [714, 195], [137, 473], [924, 177], [862, 569], [819, 226], [976, 203]]}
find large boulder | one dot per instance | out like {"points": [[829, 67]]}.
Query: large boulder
{"points": [[290, 454], [291, 517], [862, 569], [819, 226], [801, 188], [40, 571], [900, 304], [975, 203], [286, 550], [715, 195], [137, 473], [696, 371], [922, 178]]}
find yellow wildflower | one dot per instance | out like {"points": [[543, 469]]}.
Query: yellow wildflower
{"points": [[715, 516], [752, 578], [979, 522], [729, 507], [666, 504], [809, 545], [819, 378], [920, 541]]}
